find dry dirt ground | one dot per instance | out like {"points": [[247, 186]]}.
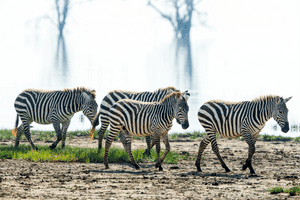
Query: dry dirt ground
{"points": [[276, 164]]}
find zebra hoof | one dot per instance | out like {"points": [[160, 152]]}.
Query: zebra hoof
{"points": [[253, 173], [199, 169], [35, 148], [159, 167], [106, 167], [52, 147], [137, 167], [227, 169], [245, 166]]}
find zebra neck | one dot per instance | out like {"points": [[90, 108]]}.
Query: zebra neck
{"points": [[266, 109], [167, 110], [76, 103]]}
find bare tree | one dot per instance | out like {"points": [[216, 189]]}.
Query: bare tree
{"points": [[58, 19], [62, 7], [181, 20], [61, 59]]}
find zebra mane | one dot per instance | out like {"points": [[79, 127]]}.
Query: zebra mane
{"points": [[172, 95], [81, 89], [156, 91], [266, 98], [166, 88], [257, 99]]}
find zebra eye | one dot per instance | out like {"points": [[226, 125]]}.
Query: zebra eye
{"points": [[280, 112]]}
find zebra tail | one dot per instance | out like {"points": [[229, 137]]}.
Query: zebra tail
{"points": [[15, 130], [92, 133], [94, 124]]}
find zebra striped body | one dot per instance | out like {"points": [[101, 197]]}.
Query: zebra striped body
{"points": [[112, 97], [56, 107], [147, 118], [245, 119]]}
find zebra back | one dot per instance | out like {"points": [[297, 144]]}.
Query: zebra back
{"points": [[140, 118], [112, 97], [230, 118], [39, 105]]}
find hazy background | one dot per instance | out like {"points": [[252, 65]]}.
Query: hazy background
{"points": [[233, 50]]}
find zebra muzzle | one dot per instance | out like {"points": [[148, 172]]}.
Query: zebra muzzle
{"points": [[185, 125], [286, 127]]}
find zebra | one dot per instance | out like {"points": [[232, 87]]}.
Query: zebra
{"points": [[56, 107], [116, 95], [235, 119], [147, 118]]}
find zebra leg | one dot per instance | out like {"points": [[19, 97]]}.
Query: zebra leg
{"points": [[251, 151], [56, 125], [101, 132], [149, 147], [202, 147], [167, 144], [122, 139], [214, 146], [112, 134], [28, 135], [157, 144], [127, 143], [19, 133], [65, 127]]}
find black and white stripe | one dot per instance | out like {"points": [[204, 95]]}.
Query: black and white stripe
{"points": [[246, 118], [52, 107], [112, 97], [147, 118]]}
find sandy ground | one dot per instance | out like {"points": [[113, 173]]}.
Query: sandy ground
{"points": [[276, 164]]}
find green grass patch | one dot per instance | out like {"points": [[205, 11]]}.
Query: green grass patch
{"points": [[292, 191], [276, 190], [86, 155], [5, 134], [275, 138]]}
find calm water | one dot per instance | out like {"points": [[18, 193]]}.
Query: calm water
{"points": [[131, 47]]}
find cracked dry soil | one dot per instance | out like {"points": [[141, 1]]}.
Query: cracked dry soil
{"points": [[276, 164]]}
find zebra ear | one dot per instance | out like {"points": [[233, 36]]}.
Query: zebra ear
{"points": [[287, 99], [186, 96], [185, 92]]}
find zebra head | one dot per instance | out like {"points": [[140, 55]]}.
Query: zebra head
{"points": [[182, 109], [280, 114], [90, 106]]}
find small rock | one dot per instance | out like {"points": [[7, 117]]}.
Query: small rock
{"points": [[174, 167], [215, 183]]}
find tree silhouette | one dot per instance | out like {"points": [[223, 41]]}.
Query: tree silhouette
{"points": [[61, 59], [181, 21], [62, 7]]}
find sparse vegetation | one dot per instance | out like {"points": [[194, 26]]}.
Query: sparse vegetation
{"points": [[193, 135], [292, 191], [276, 190], [275, 138]]}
